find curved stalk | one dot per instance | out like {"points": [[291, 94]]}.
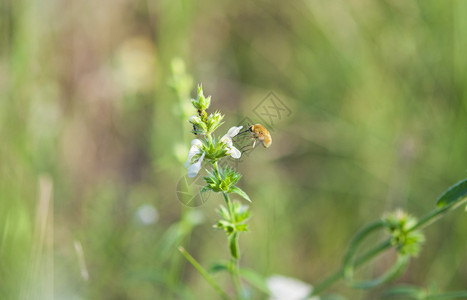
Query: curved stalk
{"points": [[204, 273]]}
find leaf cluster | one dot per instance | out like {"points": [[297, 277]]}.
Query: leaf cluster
{"points": [[224, 180], [237, 222]]}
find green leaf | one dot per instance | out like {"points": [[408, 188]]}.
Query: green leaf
{"points": [[219, 266], [241, 212], [453, 194], [408, 290], [225, 225], [233, 244], [241, 227], [239, 191], [205, 189], [223, 212]]}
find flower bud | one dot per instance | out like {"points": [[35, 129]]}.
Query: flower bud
{"points": [[201, 103]]}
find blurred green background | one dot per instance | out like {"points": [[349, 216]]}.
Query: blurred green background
{"points": [[93, 137]]}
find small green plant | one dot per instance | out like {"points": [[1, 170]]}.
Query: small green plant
{"points": [[404, 232], [405, 235], [210, 150]]}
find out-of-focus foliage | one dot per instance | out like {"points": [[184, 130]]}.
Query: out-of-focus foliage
{"points": [[94, 134]]}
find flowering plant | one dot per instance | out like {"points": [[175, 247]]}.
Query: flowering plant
{"points": [[404, 231], [209, 150]]}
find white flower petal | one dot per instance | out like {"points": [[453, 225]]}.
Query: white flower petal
{"points": [[234, 152], [194, 119], [194, 168], [286, 288], [233, 131], [196, 142], [227, 140], [195, 149]]}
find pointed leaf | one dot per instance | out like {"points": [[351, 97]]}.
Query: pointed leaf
{"points": [[219, 266], [205, 189], [223, 212], [233, 244], [408, 290], [455, 193], [241, 227], [239, 191]]}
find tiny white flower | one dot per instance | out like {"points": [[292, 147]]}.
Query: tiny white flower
{"points": [[194, 119], [193, 168], [227, 140], [195, 149], [286, 288]]}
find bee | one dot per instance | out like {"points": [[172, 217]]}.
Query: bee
{"points": [[260, 134]]}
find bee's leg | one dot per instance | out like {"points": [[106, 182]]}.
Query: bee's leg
{"points": [[245, 147], [248, 149], [249, 146]]}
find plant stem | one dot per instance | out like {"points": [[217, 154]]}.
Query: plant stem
{"points": [[435, 215], [234, 271], [229, 206], [204, 273], [236, 278], [340, 273], [425, 221]]}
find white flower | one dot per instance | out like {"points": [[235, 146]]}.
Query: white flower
{"points": [[227, 140], [286, 288], [194, 119], [193, 168]]}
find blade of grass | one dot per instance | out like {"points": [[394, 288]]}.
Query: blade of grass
{"points": [[203, 272]]}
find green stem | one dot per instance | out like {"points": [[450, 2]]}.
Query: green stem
{"points": [[229, 206], [425, 221], [209, 137], [340, 273], [204, 273], [450, 200], [236, 278], [234, 251], [435, 215], [449, 295]]}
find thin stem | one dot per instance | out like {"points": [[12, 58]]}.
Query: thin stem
{"points": [[236, 278], [435, 215], [449, 295], [229, 206], [204, 273], [209, 137], [340, 273], [425, 221], [234, 251]]}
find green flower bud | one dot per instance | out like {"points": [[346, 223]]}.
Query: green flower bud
{"points": [[406, 241], [214, 121], [201, 102]]}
